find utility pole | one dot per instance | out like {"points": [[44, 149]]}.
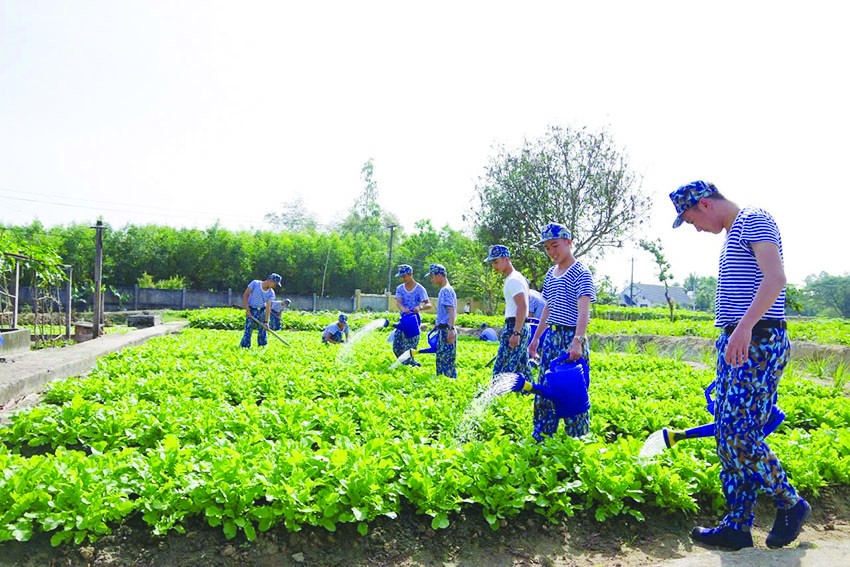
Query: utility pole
{"points": [[390, 260], [632, 284], [69, 299], [97, 315]]}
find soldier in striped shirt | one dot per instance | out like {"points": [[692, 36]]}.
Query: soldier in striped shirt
{"points": [[752, 351], [568, 291], [257, 301]]}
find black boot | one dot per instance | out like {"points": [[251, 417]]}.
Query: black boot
{"points": [[788, 524], [722, 536]]}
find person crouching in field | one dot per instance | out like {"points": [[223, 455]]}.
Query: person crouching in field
{"points": [[277, 308], [257, 303], [333, 332], [446, 315]]}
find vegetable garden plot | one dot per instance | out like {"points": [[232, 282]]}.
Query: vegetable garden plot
{"points": [[192, 425]]}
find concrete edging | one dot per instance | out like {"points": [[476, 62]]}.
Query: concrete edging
{"points": [[28, 372]]}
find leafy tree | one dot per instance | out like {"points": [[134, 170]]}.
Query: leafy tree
{"points": [[366, 216], [664, 275], [794, 299], [606, 293], [575, 177], [830, 292], [703, 289], [294, 218]]}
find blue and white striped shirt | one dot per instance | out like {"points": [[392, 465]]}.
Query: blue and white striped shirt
{"points": [[259, 296], [562, 293], [446, 298], [411, 299], [740, 275]]}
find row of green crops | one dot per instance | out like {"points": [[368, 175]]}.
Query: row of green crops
{"points": [[826, 331], [193, 426]]}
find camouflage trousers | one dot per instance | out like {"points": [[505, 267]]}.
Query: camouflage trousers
{"points": [[557, 342], [262, 336], [744, 399], [446, 355], [274, 321], [402, 344], [510, 359]]}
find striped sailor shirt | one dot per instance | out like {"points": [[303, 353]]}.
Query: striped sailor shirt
{"points": [[562, 292], [739, 276]]}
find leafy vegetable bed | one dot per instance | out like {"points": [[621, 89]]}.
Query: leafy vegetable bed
{"points": [[192, 425]]}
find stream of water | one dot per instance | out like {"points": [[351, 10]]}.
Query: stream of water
{"points": [[468, 426], [652, 447], [347, 352]]}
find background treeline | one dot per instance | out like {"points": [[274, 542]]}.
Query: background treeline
{"points": [[574, 176], [217, 259]]}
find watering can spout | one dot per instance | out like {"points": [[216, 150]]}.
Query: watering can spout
{"points": [[672, 436], [433, 340]]}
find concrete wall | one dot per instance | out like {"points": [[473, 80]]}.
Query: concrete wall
{"points": [[13, 341]]}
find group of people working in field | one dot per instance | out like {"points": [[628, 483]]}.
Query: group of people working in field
{"points": [[752, 347]]}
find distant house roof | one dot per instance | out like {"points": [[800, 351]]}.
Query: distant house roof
{"points": [[649, 295]]}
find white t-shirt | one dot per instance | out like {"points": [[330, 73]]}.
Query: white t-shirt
{"points": [[515, 283]]}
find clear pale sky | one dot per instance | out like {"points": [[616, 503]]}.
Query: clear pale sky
{"points": [[182, 113]]}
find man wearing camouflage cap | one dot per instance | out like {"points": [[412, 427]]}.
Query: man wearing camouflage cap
{"points": [[512, 355], [257, 303], [410, 297], [446, 316], [568, 290], [277, 307], [752, 351]]}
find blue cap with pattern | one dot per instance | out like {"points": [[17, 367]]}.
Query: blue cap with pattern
{"points": [[437, 270], [497, 251], [275, 277], [689, 195], [343, 318], [552, 231], [403, 269]]}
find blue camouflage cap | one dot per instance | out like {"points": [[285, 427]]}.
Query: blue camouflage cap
{"points": [[343, 318], [437, 270], [552, 231], [689, 195], [497, 251], [403, 269], [275, 277]]}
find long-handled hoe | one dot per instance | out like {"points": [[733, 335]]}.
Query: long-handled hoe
{"points": [[269, 330]]}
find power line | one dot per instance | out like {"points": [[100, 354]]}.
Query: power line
{"points": [[122, 207]]}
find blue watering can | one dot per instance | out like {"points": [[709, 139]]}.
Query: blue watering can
{"points": [[672, 436], [566, 385], [433, 340], [408, 324]]}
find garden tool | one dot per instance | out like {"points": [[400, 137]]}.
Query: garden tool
{"points": [[672, 436], [433, 341], [408, 324], [566, 384], [263, 325]]}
